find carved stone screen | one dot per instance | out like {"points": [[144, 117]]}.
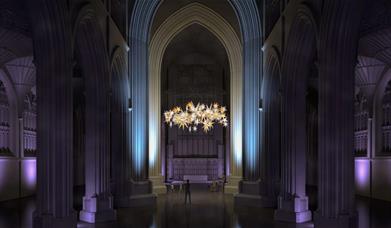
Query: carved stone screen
{"points": [[386, 122]]}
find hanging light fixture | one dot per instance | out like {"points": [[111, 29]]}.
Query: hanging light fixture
{"points": [[195, 115]]}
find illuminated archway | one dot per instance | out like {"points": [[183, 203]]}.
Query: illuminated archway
{"points": [[217, 25]]}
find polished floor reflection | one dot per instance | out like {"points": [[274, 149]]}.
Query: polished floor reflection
{"points": [[208, 209]]}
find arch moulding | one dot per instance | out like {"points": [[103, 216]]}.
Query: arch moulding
{"points": [[195, 14]]}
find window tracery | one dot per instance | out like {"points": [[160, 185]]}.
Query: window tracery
{"points": [[30, 123], [360, 125], [386, 121]]}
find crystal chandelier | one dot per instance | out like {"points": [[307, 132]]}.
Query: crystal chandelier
{"points": [[193, 116]]}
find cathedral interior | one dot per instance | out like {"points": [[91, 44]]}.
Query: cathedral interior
{"points": [[195, 113]]}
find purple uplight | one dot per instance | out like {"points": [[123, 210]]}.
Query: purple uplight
{"points": [[30, 174], [362, 173], [3, 173]]}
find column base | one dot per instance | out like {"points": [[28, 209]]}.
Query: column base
{"points": [[158, 186], [253, 201], [97, 210], [293, 210], [137, 200], [343, 221], [49, 221], [232, 185], [121, 196], [253, 193], [140, 195]]}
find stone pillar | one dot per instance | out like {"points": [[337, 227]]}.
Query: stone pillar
{"points": [[370, 137], [21, 137], [271, 140], [337, 59], [252, 74], [234, 171], [298, 58], [53, 55], [120, 153], [141, 20], [293, 201], [155, 168], [97, 200], [249, 19]]}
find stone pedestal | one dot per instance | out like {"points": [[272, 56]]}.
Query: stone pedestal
{"points": [[139, 194], [97, 210], [253, 200], [253, 193], [158, 186], [293, 210], [123, 199], [232, 185]]}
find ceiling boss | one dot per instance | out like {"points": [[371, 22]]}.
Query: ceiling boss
{"points": [[193, 116]]}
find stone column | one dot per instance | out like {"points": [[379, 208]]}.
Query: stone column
{"points": [[293, 201], [142, 14], [234, 171], [271, 141], [21, 137], [155, 168], [370, 137], [141, 20], [249, 19], [53, 55], [337, 59], [298, 58], [97, 200], [120, 153]]}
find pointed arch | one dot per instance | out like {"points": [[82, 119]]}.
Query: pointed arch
{"points": [[217, 25]]}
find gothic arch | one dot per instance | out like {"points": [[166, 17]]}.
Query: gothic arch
{"points": [[272, 69], [188, 15], [306, 13], [378, 111], [13, 111]]}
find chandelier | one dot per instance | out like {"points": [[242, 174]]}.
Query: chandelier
{"points": [[193, 116]]}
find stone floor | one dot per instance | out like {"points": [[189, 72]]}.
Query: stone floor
{"points": [[207, 210]]}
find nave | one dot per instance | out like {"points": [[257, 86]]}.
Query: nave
{"points": [[208, 209]]}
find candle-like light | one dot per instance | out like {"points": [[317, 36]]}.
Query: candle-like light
{"points": [[194, 115]]}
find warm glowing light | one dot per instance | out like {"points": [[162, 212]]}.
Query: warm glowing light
{"points": [[192, 116]]}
